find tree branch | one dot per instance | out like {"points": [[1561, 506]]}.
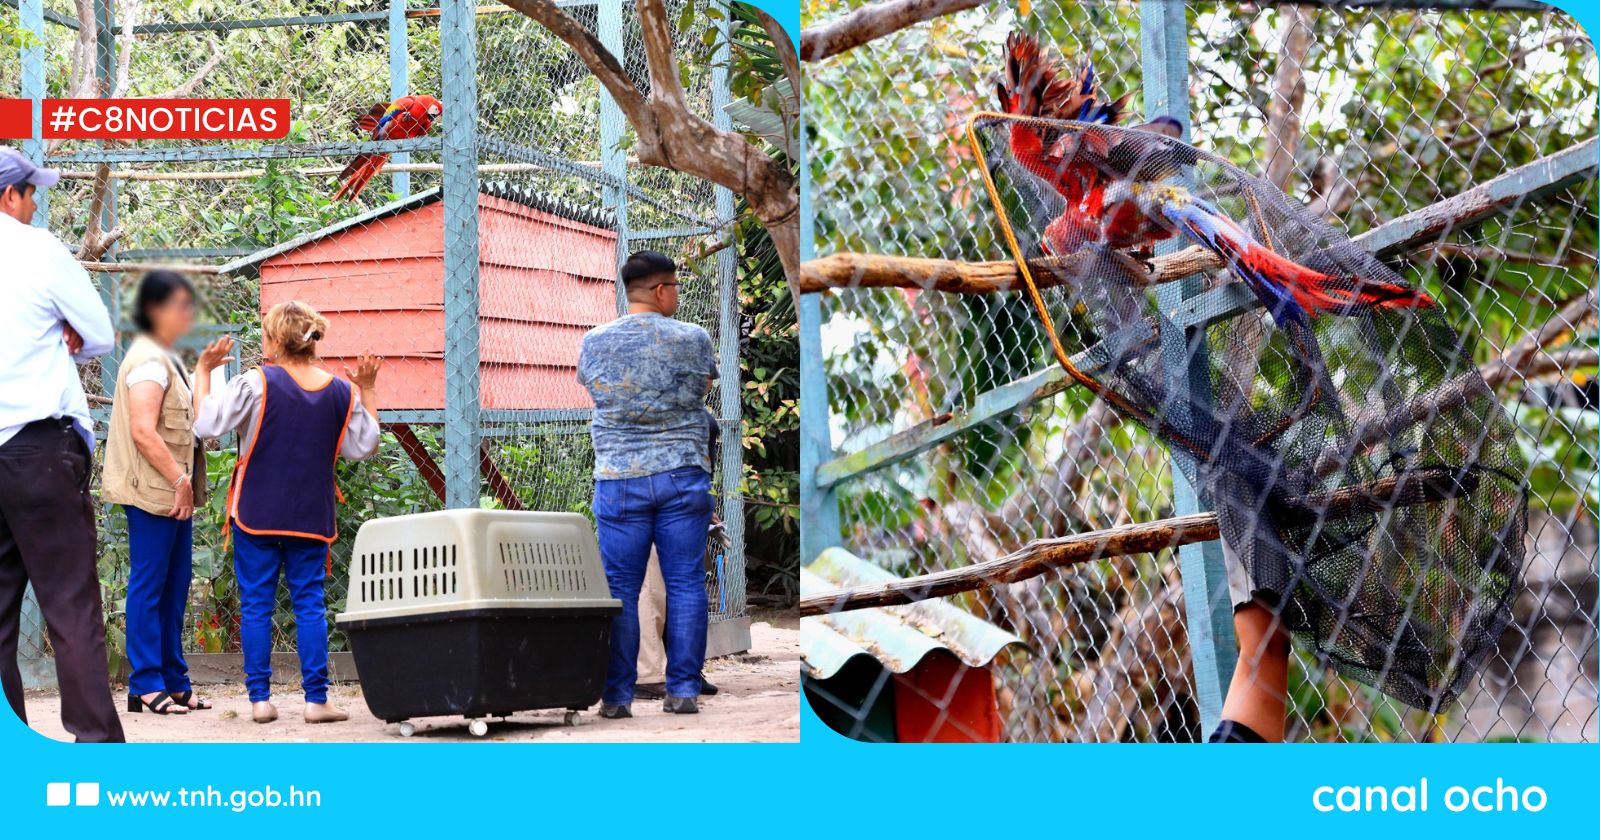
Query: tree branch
{"points": [[672, 136], [1041, 556], [593, 54], [870, 271], [1288, 94], [1420, 226], [873, 21]]}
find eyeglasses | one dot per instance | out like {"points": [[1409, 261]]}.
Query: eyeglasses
{"points": [[667, 283]]}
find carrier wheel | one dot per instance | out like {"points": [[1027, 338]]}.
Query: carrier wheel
{"points": [[407, 729], [573, 718], [478, 728]]}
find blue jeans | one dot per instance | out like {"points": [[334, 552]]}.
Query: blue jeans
{"points": [[160, 565], [256, 562], [671, 510]]}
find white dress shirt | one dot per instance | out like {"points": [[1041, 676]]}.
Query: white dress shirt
{"points": [[42, 287]]}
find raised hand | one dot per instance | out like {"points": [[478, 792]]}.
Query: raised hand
{"points": [[365, 375], [215, 355]]}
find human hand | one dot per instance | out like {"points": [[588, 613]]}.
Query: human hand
{"points": [[183, 498], [215, 355], [365, 376], [71, 337]]}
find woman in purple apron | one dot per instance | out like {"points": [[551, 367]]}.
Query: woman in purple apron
{"points": [[295, 420]]}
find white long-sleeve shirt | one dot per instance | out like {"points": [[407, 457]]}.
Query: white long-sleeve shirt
{"points": [[42, 288], [237, 407]]}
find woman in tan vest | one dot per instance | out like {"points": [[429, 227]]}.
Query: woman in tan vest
{"points": [[154, 470]]}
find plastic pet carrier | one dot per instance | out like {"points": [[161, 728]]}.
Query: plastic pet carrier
{"points": [[478, 613]]}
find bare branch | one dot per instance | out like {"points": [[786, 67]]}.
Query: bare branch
{"points": [[193, 82], [1288, 94], [1424, 225], [866, 271], [673, 137], [873, 21], [665, 84], [594, 54], [1040, 556], [1574, 259]]}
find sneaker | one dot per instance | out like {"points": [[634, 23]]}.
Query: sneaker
{"points": [[680, 706], [613, 712]]}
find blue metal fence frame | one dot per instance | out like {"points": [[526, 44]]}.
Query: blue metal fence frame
{"points": [[1186, 309], [459, 146]]}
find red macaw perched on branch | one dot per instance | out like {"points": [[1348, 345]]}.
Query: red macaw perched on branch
{"points": [[1117, 196], [406, 117]]}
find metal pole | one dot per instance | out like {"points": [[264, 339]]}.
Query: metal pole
{"points": [[614, 159], [459, 80], [31, 15], [399, 82], [728, 347], [110, 284], [1164, 37], [819, 506]]}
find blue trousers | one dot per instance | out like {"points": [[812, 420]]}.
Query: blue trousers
{"points": [[256, 563], [672, 511], [160, 552]]}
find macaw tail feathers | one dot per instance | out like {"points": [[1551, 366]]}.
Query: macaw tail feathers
{"points": [[357, 173], [1286, 288], [1034, 86]]}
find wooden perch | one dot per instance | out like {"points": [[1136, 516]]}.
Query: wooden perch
{"points": [[870, 22], [1412, 230], [863, 271], [1041, 556]]}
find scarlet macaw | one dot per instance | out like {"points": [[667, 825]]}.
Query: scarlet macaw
{"points": [[1117, 196], [408, 116]]}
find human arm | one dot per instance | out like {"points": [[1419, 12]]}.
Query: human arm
{"points": [[213, 356], [362, 431], [365, 378], [86, 326], [144, 416]]}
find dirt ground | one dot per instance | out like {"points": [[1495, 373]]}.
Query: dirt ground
{"points": [[759, 701]]}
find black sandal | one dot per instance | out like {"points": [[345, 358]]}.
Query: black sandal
{"points": [[184, 697], [162, 705]]}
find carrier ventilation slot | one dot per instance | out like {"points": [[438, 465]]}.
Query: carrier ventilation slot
{"points": [[382, 578], [433, 570], [545, 568]]}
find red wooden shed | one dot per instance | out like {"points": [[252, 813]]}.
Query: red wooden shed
{"points": [[547, 275]]}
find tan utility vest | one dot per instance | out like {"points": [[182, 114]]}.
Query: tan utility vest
{"points": [[128, 478]]}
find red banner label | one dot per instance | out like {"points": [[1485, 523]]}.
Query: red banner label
{"points": [[149, 119]]}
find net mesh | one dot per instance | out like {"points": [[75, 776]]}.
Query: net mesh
{"points": [[1362, 471], [559, 196], [1400, 108]]}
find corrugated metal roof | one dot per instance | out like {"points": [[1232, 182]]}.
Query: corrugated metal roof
{"points": [[897, 637], [586, 214]]}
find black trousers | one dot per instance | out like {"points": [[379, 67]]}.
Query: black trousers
{"points": [[47, 536]]}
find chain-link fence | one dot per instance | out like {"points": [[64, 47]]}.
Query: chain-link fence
{"points": [[473, 262], [956, 439]]}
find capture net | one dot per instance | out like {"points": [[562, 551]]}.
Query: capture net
{"points": [[1362, 471]]}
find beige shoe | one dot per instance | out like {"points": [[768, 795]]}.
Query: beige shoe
{"points": [[324, 713], [263, 712]]}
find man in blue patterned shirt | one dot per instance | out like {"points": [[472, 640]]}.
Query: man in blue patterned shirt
{"points": [[649, 376]]}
